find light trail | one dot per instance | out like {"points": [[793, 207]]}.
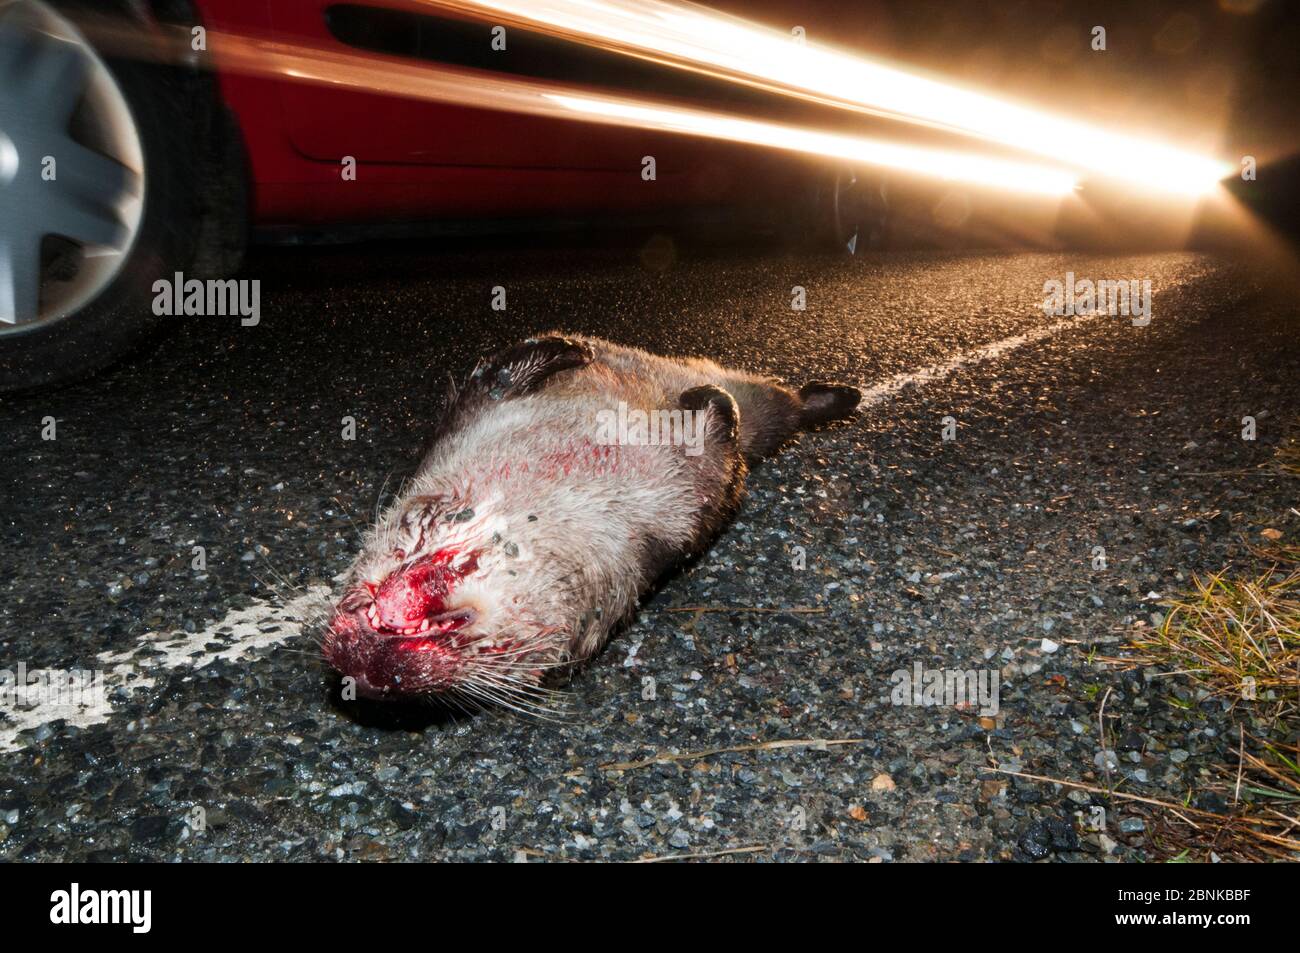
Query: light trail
{"points": [[693, 37], [479, 89], [935, 163]]}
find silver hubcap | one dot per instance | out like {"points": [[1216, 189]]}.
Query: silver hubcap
{"points": [[71, 182]]}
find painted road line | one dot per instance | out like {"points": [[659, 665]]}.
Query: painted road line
{"points": [[882, 391], [242, 633]]}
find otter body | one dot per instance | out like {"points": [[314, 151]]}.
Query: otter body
{"points": [[564, 477]]}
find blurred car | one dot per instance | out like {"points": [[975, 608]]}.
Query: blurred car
{"points": [[118, 170]]}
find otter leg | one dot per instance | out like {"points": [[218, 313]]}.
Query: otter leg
{"points": [[724, 423], [720, 467], [525, 367], [824, 401], [515, 372], [771, 414]]}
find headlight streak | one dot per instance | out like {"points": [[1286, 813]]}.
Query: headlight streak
{"points": [[936, 163], [478, 89], [697, 38]]}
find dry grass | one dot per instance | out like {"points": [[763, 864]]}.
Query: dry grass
{"points": [[1262, 822], [1236, 638], [1239, 640]]}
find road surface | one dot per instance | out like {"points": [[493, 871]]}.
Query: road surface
{"points": [[883, 545]]}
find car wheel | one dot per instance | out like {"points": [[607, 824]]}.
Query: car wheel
{"points": [[96, 198], [854, 211]]}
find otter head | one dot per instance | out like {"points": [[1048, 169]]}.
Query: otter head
{"points": [[428, 609]]}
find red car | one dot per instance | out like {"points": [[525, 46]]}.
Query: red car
{"points": [[118, 169]]}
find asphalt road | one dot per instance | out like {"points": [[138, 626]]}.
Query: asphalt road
{"points": [[962, 554]]}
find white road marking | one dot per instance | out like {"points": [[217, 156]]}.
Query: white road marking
{"points": [[242, 632], [263, 624], [878, 393], [29, 710]]}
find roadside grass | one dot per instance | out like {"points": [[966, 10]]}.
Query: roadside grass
{"points": [[1261, 822], [1237, 638]]}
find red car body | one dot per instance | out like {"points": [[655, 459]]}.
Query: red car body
{"points": [[421, 160]]}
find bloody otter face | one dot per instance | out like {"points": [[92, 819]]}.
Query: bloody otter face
{"points": [[402, 635]]}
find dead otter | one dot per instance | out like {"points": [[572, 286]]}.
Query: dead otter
{"points": [[563, 478]]}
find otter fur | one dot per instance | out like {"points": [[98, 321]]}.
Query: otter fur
{"points": [[562, 479]]}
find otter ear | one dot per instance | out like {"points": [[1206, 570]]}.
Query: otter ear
{"points": [[526, 367]]}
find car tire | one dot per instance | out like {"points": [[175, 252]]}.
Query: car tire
{"points": [[116, 314], [840, 210]]}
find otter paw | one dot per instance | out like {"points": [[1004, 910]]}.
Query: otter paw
{"points": [[823, 401]]}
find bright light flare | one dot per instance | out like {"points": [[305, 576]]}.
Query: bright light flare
{"points": [[937, 163], [697, 38]]}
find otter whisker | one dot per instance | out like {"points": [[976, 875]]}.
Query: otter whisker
{"points": [[504, 700], [550, 703]]}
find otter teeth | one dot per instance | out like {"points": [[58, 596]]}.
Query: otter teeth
{"points": [[372, 616]]}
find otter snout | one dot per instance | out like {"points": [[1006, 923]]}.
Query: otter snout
{"points": [[398, 636]]}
